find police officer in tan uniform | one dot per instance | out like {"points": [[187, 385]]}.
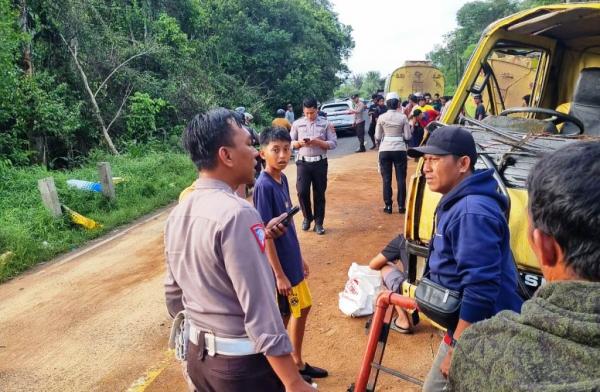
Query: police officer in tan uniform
{"points": [[313, 135], [218, 273]]}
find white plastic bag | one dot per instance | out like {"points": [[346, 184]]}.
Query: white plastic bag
{"points": [[360, 291], [373, 276]]}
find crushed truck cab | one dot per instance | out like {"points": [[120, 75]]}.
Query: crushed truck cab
{"points": [[538, 72]]}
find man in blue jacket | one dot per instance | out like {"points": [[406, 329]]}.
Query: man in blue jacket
{"points": [[470, 247]]}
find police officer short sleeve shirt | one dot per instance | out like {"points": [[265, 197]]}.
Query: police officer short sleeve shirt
{"points": [[215, 249], [318, 129]]}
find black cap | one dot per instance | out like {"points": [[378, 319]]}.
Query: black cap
{"points": [[448, 140]]}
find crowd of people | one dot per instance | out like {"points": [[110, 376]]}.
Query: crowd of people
{"points": [[237, 277]]}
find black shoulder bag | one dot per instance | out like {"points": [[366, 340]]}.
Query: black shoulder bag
{"points": [[438, 303]]}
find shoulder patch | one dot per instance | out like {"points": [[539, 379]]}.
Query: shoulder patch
{"points": [[258, 230]]}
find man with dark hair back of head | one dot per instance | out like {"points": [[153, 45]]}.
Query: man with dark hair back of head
{"points": [[218, 277], [470, 245], [313, 136], [554, 344]]}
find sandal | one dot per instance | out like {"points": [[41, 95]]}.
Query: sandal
{"points": [[399, 329]]}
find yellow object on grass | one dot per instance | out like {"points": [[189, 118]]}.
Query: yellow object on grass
{"points": [[299, 299], [81, 220]]}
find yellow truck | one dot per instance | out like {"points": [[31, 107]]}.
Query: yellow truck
{"points": [[551, 54], [415, 76]]}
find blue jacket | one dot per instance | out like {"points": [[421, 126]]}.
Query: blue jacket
{"points": [[470, 249]]}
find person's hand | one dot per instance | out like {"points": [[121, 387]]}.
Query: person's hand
{"points": [[306, 269], [274, 230], [445, 366], [300, 386], [284, 287], [317, 143], [301, 143]]}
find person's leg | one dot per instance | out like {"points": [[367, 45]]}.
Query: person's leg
{"points": [[303, 181], [400, 168], [372, 134], [385, 164], [297, 326], [393, 276], [360, 133], [435, 381], [319, 188]]}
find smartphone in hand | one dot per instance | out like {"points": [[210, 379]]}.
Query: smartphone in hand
{"points": [[288, 216]]}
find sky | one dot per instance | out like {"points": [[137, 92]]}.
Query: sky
{"points": [[388, 32]]}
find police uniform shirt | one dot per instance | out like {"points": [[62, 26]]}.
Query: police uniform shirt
{"points": [[318, 129], [218, 271], [393, 128]]}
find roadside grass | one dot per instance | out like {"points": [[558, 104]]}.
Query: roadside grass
{"points": [[27, 230]]}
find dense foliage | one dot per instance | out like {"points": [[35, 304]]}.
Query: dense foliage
{"points": [[29, 234], [453, 55], [78, 74], [363, 84]]}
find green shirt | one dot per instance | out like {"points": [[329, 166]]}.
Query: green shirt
{"points": [[553, 345]]}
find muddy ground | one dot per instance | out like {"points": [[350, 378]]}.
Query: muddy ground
{"points": [[96, 321]]}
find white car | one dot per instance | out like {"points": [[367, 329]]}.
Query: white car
{"points": [[340, 115]]}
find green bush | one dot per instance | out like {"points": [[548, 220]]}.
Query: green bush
{"points": [[151, 181]]}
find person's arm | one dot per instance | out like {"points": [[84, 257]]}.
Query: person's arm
{"points": [[173, 293], [378, 262], [379, 130], [286, 369], [477, 243], [447, 362], [284, 287], [242, 245], [331, 137], [407, 130]]}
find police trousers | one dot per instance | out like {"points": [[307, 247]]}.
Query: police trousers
{"points": [[360, 133], [229, 373], [312, 174], [395, 160]]}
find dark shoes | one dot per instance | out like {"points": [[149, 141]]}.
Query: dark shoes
{"points": [[402, 210], [387, 209], [373, 147], [319, 229], [308, 379], [313, 371], [306, 224], [361, 149]]}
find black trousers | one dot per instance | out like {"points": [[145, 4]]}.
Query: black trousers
{"points": [[397, 160], [312, 174], [232, 374], [372, 126], [360, 133]]}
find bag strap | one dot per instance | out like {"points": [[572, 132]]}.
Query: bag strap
{"points": [[433, 231]]}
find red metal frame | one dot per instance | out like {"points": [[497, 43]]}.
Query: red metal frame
{"points": [[385, 299]]}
